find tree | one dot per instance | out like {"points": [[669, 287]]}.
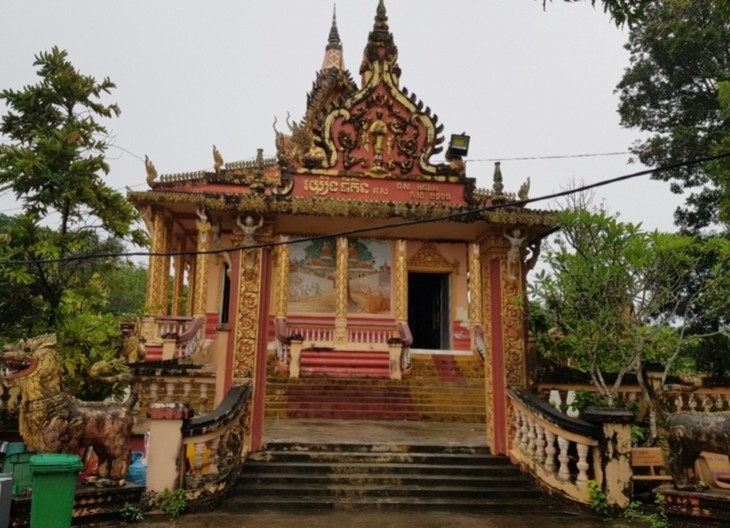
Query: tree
{"points": [[127, 289], [621, 11], [679, 54], [622, 297], [55, 255], [53, 161]]}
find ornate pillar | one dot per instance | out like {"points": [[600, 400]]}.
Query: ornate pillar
{"points": [[200, 293], [153, 301], [168, 245], [342, 288], [190, 267], [401, 281], [179, 278], [282, 279], [475, 292], [504, 336]]}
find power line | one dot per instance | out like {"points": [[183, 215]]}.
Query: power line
{"points": [[557, 156], [380, 227], [467, 161]]}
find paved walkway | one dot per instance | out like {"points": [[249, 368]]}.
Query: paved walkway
{"points": [[375, 432]]}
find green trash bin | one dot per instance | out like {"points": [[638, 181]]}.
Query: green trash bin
{"points": [[54, 488]]}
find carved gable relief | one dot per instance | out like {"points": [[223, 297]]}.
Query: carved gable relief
{"points": [[429, 258]]}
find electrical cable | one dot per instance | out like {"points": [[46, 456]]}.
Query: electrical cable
{"points": [[357, 231]]}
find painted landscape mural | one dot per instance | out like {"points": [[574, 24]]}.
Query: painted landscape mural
{"points": [[312, 276], [369, 276], [312, 269]]}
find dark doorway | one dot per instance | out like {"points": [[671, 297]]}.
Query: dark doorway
{"points": [[429, 310]]}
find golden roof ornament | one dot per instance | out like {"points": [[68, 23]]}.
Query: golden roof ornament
{"points": [[151, 170], [524, 191], [498, 183], [217, 159], [333, 56]]}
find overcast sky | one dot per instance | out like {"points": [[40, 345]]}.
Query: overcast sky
{"points": [[522, 82]]}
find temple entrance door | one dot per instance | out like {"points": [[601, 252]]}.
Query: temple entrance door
{"points": [[429, 310]]}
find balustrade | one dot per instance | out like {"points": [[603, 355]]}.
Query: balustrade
{"points": [[563, 452], [562, 458], [191, 389], [214, 447]]}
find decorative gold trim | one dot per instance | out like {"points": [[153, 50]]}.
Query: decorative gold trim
{"points": [[341, 285], [513, 331], [200, 293], [347, 208], [429, 258], [475, 286], [247, 317], [282, 285], [179, 279], [153, 301], [401, 281], [489, 374]]}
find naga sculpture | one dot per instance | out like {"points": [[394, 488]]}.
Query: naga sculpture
{"points": [[52, 421], [690, 433]]}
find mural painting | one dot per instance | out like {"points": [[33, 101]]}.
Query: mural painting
{"points": [[312, 276], [369, 269]]}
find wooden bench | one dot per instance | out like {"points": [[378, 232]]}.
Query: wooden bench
{"points": [[713, 469], [650, 463]]}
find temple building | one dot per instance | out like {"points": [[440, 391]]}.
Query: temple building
{"points": [[349, 251]]}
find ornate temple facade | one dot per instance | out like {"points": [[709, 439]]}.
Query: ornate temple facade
{"points": [[351, 241]]}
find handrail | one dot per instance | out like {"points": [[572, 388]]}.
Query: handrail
{"points": [[214, 448], [537, 429], [564, 453], [554, 418]]}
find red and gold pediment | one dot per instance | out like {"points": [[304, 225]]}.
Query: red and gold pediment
{"points": [[378, 131]]}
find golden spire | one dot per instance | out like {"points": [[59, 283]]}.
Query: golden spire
{"points": [[333, 56]]}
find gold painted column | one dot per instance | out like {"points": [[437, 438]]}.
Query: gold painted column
{"points": [[401, 282], [476, 321], [153, 301], [282, 286], [200, 293], [504, 336], [165, 289], [342, 287], [179, 278], [190, 266]]}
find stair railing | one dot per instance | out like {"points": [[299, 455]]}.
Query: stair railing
{"points": [[213, 450], [565, 453]]}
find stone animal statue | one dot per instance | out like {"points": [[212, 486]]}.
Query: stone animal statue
{"points": [[132, 349], [690, 433], [52, 421]]}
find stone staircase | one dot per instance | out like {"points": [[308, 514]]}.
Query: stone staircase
{"points": [[440, 388], [383, 477], [347, 364]]}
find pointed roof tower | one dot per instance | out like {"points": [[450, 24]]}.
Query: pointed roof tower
{"points": [[333, 56], [380, 48]]}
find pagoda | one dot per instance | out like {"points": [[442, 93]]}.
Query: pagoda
{"points": [[352, 240]]}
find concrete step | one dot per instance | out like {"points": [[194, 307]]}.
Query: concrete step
{"points": [[291, 475]]}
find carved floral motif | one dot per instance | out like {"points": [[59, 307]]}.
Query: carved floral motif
{"points": [[428, 257]]}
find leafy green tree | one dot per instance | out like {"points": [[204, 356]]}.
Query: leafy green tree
{"points": [[54, 255], [621, 11], [53, 160], [127, 289], [623, 297], [678, 58]]}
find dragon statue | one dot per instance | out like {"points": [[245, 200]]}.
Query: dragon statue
{"points": [[52, 421]]}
